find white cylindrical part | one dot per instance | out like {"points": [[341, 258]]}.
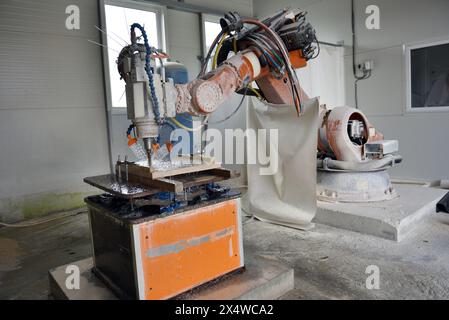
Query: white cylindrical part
{"points": [[146, 128], [252, 57]]}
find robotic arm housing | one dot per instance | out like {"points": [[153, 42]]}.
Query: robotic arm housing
{"points": [[246, 50]]}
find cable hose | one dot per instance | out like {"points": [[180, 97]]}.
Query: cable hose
{"points": [[154, 100]]}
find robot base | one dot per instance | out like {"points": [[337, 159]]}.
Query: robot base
{"points": [[354, 186]]}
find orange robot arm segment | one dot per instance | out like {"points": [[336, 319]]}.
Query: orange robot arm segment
{"points": [[203, 96]]}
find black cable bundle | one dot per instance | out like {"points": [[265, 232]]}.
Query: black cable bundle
{"points": [[273, 38]]}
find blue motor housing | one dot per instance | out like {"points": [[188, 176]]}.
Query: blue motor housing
{"points": [[176, 71]]}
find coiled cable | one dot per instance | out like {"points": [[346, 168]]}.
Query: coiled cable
{"points": [[149, 51]]}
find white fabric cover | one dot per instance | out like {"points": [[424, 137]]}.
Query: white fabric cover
{"points": [[288, 197]]}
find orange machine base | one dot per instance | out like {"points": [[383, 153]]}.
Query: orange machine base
{"points": [[162, 257]]}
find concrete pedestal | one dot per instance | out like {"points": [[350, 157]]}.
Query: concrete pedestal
{"points": [[262, 279], [392, 219]]}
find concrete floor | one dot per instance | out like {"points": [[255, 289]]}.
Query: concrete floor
{"points": [[329, 263]]}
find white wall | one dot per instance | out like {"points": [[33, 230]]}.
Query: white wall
{"points": [[330, 18], [52, 115], [422, 136], [244, 7]]}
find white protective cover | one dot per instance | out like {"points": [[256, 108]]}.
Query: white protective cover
{"points": [[289, 196]]}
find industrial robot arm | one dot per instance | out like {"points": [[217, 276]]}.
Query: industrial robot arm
{"points": [[246, 50]]}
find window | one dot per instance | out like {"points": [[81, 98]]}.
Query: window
{"points": [[211, 29], [428, 77], [118, 17]]}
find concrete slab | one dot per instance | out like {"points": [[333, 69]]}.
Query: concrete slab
{"points": [[391, 220], [263, 279], [90, 287]]}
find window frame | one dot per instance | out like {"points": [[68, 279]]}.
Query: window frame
{"points": [[408, 77], [161, 14]]}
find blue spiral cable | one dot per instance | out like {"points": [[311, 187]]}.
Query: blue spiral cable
{"points": [[154, 100]]}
